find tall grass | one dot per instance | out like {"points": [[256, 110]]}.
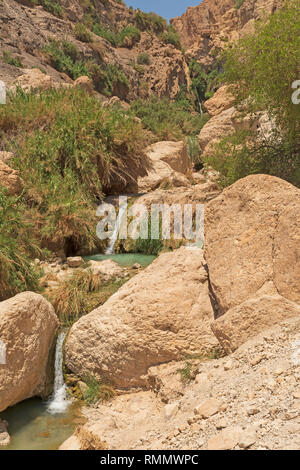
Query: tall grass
{"points": [[67, 148]]}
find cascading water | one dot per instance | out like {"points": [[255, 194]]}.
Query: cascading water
{"points": [[111, 246], [59, 403]]}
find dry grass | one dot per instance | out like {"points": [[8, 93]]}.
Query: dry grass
{"points": [[88, 440]]}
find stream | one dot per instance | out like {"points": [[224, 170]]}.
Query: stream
{"points": [[44, 425]]}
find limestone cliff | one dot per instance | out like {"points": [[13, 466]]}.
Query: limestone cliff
{"points": [[149, 65], [208, 27]]}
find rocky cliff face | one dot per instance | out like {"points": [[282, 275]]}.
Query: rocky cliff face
{"points": [[208, 27], [26, 29]]}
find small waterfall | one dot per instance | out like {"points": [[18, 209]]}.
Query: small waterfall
{"points": [[59, 403], [111, 246]]}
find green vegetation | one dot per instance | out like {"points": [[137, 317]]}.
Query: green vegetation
{"points": [[65, 58], [81, 294], [143, 59], [262, 68], [108, 80], [81, 33], [16, 271], [169, 120], [190, 369], [150, 22], [171, 37], [66, 148], [97, 390], [8, 59]]}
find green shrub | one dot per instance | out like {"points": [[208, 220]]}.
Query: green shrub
{"points": [[8, 59], [168, 120], [143, 58], [97, 390], [262, 68], [264, 65], [64, 58], [67, 148], [81, 33], [150, 22], [171, 37], [51, 6], [16, 272]]}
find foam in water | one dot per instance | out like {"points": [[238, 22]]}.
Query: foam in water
{"points": [[111, 246], [59, 403]]}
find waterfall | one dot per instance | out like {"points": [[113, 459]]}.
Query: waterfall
{"points": [[58, 403], [111, 246]]}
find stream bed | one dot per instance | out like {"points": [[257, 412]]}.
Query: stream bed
{"points": [[32, 427], [44, 425]]}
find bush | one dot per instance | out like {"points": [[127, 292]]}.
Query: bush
{"points": [[64, 58], [16, 272], [97, 390], [264, 65], [143, 59], [67, 147], [81, 33], [261, 68], [168, 120], [52, 7], [80, 294], [8, 59], [171, 37], [150, 22], [245, 153]]}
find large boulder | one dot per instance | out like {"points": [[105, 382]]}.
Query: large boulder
{"points": [[252, 233], [221, 101], [160, 315], [10, 179], [169, 162], [27, 328]]}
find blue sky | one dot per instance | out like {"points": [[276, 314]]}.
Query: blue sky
{"points": [[166, 8]]}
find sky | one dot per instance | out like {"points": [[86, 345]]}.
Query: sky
{"points": [[166, 8]]}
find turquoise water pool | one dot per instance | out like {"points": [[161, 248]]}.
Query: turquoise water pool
{"points": [[125, 259], [31, 427]]}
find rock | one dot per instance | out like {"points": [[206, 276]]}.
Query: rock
{"points": [[208, 27], [170, 410], [208, 408], [27, 328], [221, 101], [75, 261], [5, 157], [225, 440], [169, 164], [159, 314], [216, 128], [4, 436], [85, 83], [33, 79], [107, 268], [247, 438], [222, 424], [198, 178], [261, 311], [72, 443], [10, 179], [82, 387], [254, 227], [136, 266]]}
